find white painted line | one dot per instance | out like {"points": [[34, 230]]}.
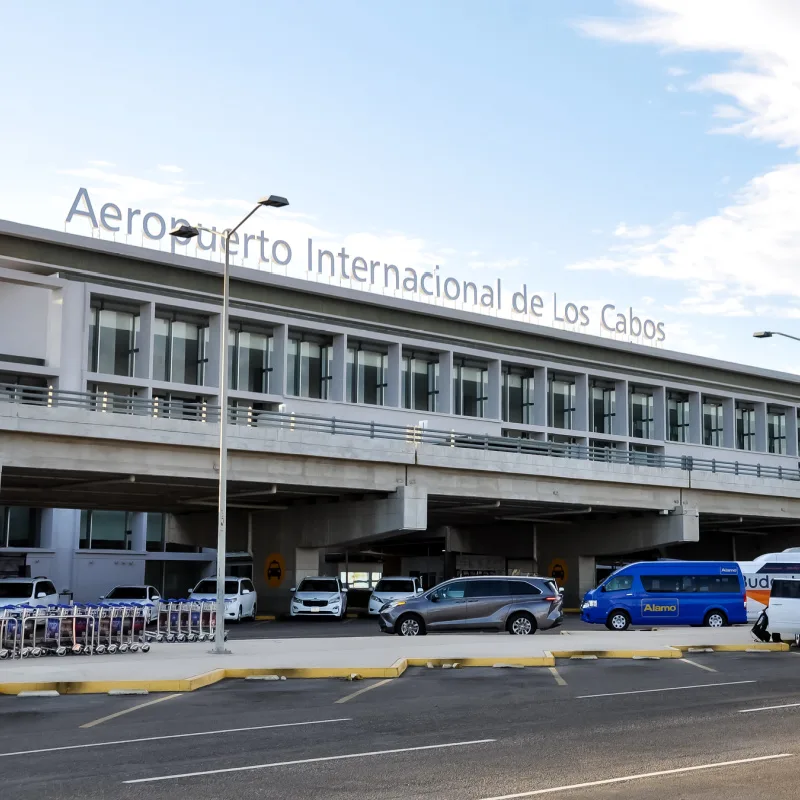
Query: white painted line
{"points": [[128, 710], [557, 675], [769, 708], [695, 664], [667, 689], [638, 777], [365, 689], [310, 761], [42, 693], [171, 736]]}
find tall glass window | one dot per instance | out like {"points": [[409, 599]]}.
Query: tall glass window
{"points": [[776, 431], [249, 361], [309, 369], [518, 396], [18, 526], [678, 417], [155, 532], [712, 423], [104, 530], [366, 376], [562, 402], [113, 341], [420, 377], [470, 389], [180, 351], [642, 417], [745, 427], [603, 407]]}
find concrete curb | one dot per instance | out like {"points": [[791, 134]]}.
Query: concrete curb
{"points": [[548, 659]]}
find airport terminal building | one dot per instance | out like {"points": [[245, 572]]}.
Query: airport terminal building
{"points": [[369, 435]]}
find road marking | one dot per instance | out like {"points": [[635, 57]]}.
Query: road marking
{"points": [[667, 689], [171, 736], [638, 777], [128, 710], [695, 664], [555, 673], [769, 708], [365, 689], [310, 761]]}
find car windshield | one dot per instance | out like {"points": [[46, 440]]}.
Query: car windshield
{"points": [[318, 585], [210, 587], [394, 585], [16, 589], [128, 593]]}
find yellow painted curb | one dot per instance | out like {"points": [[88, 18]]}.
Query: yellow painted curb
{"points": [[667, 652], [768, 647], [265, 618], [533, 661]]}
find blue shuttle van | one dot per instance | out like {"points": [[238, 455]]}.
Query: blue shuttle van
{"points": [[708, 593]]}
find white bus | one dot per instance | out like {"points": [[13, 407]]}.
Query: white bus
{"points": [[759, 574]]}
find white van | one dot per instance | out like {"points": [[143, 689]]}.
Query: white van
{"points": [[783, 611], [761, 572], [389, 589]]}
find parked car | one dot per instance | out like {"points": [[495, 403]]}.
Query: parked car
{"points": [[319, 596], [783, 611], [240, 596], [388, 589], [518, 605], [37, 591], [145, 595], [710, 593]]}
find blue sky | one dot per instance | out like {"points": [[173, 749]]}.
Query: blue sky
{"points": [[573, 146]]}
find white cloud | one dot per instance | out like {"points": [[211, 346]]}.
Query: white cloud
{"points": [[102, 164], [677, 72], [671, 87], [497, 264], [170, 168], [624, 231]]}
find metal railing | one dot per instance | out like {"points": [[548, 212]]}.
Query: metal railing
{"points": [[198, 411]]}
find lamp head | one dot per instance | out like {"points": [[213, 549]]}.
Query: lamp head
{"points": [[762, 335], [273, 201], [184, 232]]}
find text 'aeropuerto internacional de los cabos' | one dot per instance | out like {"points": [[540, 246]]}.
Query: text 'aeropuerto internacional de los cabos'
{"points": [[429, 285]]}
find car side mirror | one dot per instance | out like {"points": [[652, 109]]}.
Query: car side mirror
{"points": [[420, 590], [191, 590], [434, 598], [293, 589], [102, 597], [40, 595], [602, 588], [344, 591], [158, 596], [561, 590]]}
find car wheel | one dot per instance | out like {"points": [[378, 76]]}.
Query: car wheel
{"points": [[715, 619], [255, 612], [618, 621], [410, 625], [239, 615], [521, 624]]}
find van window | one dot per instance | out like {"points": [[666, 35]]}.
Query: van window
{"points": [[789, 590], [46, 587], [453, 591], [621, 583], [678, 584], [525, 588], [487, 588], [395, 585]]}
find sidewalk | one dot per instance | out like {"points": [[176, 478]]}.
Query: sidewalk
{"points": [[189, 666]]}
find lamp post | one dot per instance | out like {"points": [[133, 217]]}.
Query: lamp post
{"points": [[189, 232], [770, 334]]}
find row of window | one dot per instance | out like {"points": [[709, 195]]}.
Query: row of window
{"points": [[678, 584]]}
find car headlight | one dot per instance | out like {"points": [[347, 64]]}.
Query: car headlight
{"points": [[590, 603], [229, 601], [396, 603]]}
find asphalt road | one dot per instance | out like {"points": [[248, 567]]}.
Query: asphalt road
{"points": [[313, 627], [467, 734]]}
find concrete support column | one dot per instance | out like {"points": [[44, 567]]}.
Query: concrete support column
{"points": [[660, 413], [338, 390], [494, 402], [540, 414], [761, 427], [445, 404], [729, 422], [144, 356], [280, 352], [791, 431], [621, 426], [68, 335], [138, 531], [394, 377], [581, 420], [587, 575], [695, 418]]}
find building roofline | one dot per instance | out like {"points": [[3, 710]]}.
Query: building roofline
{"points": [[246, 274]]}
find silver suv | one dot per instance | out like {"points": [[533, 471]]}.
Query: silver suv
{"points": [[520, 606]]}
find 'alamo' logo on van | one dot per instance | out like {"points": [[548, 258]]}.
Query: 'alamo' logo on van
{"points": [[661, 607]]}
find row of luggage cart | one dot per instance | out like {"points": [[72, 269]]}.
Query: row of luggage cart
{"points": [[102, 628]]}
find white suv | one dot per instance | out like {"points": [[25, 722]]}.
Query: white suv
{"points": [[389, 589], [240, 596], [27, 591], [319, 596], [783, 611]]}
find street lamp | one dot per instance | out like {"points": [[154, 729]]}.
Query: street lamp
{"points": [[770, 334], [189, 232]]}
